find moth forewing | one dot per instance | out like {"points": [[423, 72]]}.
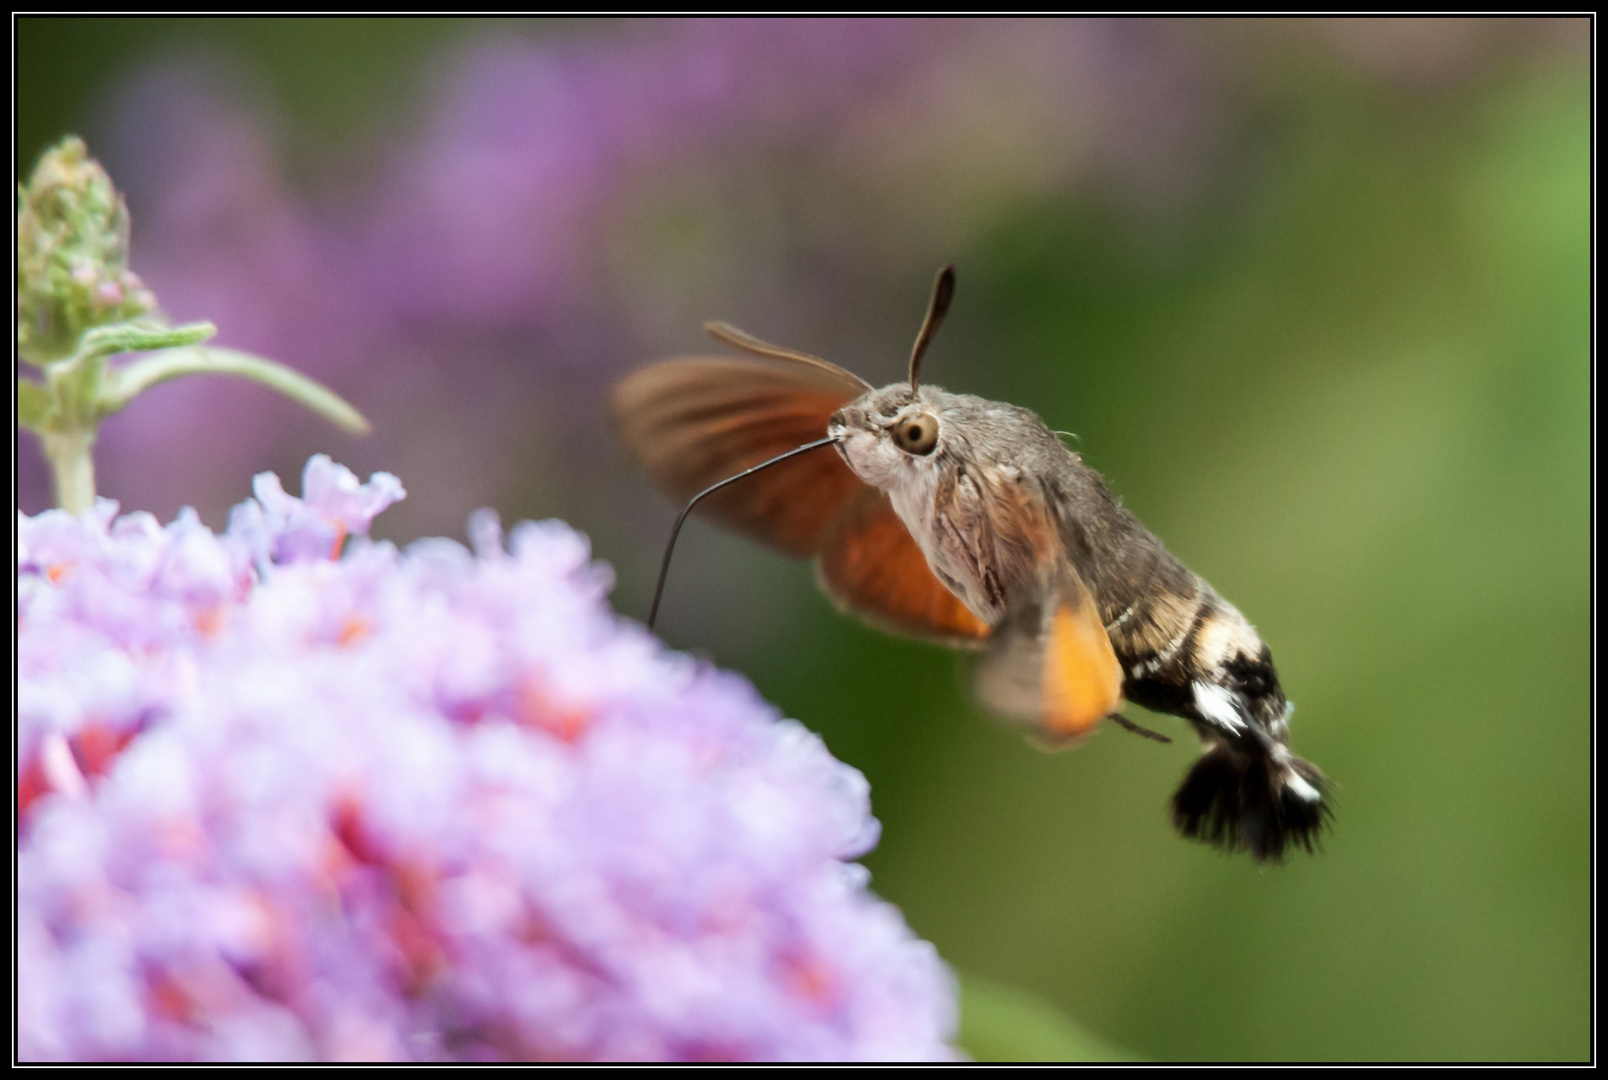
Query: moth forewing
{"points": [[693, 421]]}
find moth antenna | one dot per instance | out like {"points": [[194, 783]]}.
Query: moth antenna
{"points": [[748, 343], [739, 339], [943, 291], [675, 531]]}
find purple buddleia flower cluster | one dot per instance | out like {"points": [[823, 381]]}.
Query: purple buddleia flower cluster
{"points": [[278, 800]]}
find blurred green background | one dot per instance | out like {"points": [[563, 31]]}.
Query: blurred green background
{"points": [[1314, 297]]}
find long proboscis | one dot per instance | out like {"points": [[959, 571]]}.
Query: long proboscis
{"points": [[669, 549]]}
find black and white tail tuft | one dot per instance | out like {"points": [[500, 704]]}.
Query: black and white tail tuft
{"points": [[1254, 796]]}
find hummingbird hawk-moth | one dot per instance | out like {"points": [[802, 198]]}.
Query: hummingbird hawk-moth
{"points": [[968, 522]]}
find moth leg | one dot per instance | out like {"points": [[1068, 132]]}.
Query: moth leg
{"points": [[1138, 729]]}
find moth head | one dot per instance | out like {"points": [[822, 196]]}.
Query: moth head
{"points": [[892, 434]]}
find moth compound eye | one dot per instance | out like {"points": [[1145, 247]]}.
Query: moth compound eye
{"points": [[917, 434]]}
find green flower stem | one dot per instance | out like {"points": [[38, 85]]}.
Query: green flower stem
{"points": [[73, 467]]}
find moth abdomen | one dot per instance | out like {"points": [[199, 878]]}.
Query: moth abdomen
{"points": [[1190, 653]]}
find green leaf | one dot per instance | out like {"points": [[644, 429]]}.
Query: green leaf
{"points": [[125, 383], [141, 337], [33, 405], [1002, 1023]]}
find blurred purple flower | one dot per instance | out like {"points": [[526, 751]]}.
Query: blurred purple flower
{"points": [[496, 212], [424, 805], [512, 253], [570, 203]]}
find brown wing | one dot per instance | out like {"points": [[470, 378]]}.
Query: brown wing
{"points": [[695, 421], [870, 565], [1051, 662]]}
